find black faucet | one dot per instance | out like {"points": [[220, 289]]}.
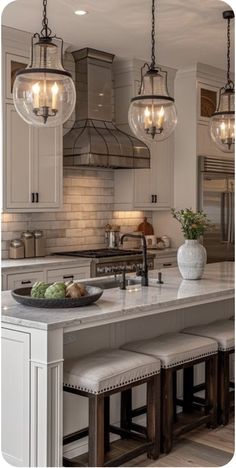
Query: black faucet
{"points": [[144, 271]]}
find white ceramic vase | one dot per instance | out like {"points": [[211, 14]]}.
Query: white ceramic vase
{"points": [[191, 259]]}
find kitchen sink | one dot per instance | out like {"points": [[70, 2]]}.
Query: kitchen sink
{"points": [[109, 283]]}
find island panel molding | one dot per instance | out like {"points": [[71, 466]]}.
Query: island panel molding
{"points": [[46, 398]]}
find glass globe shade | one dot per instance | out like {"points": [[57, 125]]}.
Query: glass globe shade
{"points": [[152, 114], [222, 122], [44, 93]]}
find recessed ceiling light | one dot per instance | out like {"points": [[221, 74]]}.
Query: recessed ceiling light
{"points": [[80, 12]]}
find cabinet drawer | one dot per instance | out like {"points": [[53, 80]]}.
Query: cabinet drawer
{"points": [[160, 263], [22, 280], [68, 274]]}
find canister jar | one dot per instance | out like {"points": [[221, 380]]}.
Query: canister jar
{"points": [[39, 244], [28, 240], [16, 249]]}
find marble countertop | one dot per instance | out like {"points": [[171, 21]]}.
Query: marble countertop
{"points": [[116, 305], [48, 261]]}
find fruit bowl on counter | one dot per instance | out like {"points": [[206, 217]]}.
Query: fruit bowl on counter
{"points": [[57, 295]]}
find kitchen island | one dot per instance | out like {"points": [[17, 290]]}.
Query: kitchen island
{"points": [[36, 341]]}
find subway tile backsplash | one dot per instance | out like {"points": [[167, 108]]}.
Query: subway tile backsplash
{"points": [[88, 207]]}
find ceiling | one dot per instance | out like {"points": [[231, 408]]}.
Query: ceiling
{"points": [[188, 31]]}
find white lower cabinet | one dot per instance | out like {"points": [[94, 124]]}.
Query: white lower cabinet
{"points": [[29, 276], [15, 389], [168, 262], [68, 274], [21, 280], [32, 165]]}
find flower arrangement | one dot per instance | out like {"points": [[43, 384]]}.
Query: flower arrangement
{"points": [[193, 224]]}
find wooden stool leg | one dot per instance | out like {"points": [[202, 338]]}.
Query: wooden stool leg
{"points": [[174, 396], [153, 416], [211, 387], [223, 387], [106, 423], [126, 409], [96, 430], [188, 389], [167, 410]]}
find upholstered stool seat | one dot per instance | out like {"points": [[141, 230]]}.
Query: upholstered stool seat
{"points": [[103, 371], [97, 376], [178, 351], [222, 331], [174, 349]]}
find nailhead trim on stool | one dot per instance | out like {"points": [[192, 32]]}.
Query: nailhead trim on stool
{"points": [[105, 370]]}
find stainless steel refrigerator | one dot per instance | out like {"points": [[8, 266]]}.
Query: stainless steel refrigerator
{"points": [[216, 199]]}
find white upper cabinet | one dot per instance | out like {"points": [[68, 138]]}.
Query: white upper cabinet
{"points": [[149, 189], [32, 165], [32, 157]]}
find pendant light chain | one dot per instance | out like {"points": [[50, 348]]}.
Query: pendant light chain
{"points": [[228, 52], [153, 58], [45, 31]]}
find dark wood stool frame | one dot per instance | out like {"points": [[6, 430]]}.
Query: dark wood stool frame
{"points": [[225, 397], [99, 426], [169, 402]]}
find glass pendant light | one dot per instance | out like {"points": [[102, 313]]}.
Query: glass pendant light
{"points": [[44, 92], [222, 123], [152, 114]]}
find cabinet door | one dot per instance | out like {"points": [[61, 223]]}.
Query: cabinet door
{"points": [[15, 397], [18, 161], [161, 176], [168, 262], [142, 188], [68, 274], [24, 280], [153, 187], [47, 172]]}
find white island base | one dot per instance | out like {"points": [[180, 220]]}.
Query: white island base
{"points": [[36, 341]]}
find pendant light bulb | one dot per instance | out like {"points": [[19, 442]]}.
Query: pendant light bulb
{"points": [[222, 122], [152, 114], [44, 92]]}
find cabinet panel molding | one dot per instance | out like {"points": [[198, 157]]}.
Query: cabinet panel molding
{"points": [[15, 397]]}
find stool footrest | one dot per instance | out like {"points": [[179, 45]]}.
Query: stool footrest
{"points": [[139, 411], [127, 433], [75, 436], [119, 461], [182, 427]]}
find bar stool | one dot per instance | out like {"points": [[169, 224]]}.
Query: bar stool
{"points": [[221, 331], [99, 375], [178, 351]]}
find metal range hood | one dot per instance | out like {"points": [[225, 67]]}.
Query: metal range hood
{"points": [[94, 140]]}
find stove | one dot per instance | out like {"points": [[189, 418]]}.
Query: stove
{"points": [[110, 261], [100, 253]]}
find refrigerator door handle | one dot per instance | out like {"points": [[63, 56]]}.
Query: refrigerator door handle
{"points": [[222, 211], [229, 218]]}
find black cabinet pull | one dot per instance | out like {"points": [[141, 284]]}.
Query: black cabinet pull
{"points": [[37, 197], [26, 282], [167, 264], [32, 197], [155, 198], [68, 277]]}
